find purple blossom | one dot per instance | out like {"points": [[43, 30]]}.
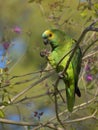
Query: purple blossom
{"points": [[6, 45], [35, 113], [89, 77], [38, 114], [87, 68], [17, 29]]}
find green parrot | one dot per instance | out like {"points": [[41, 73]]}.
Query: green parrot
{"points": [[61, 44]]}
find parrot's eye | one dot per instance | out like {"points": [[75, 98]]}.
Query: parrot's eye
{"points": [[50, 35]]}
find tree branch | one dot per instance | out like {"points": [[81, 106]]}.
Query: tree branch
{"points": [[89, 47], [89, 28], [28, 88]]}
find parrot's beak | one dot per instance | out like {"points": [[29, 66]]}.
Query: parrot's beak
{"points": [[45, 40]]}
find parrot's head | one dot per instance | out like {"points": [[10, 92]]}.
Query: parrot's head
{"points": [[54, 37]]}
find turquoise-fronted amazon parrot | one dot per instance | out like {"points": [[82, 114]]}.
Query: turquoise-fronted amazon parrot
{"points": [[61, 44]]}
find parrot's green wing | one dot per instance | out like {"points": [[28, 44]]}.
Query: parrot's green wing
{"points": [[76, 64], [72, 80]]}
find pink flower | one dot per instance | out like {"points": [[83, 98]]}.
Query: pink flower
{"points": [[89, 77], [17, 29]]}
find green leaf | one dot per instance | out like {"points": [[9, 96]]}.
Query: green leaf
{"points": [[31, 1], [37, 1], [2, 115], [5, 103], [84, 13], [96, 5]]}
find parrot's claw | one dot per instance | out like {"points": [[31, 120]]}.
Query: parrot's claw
{"points": [[60, 75], [44, 53]]}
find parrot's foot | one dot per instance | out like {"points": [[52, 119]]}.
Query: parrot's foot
{"points": [[61, 75], [44, 53]]}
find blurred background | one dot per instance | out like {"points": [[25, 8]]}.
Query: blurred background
{"points": [[22, 23]]}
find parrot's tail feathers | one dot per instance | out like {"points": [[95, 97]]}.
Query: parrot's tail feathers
{"points": [[77, 91]]}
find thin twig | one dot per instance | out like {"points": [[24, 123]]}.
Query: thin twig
{"points": [[89, 47], [56, 103], [32, 73], [59, 92], [22, 123], [37, 96], [28, 88], [62, 113], [78, 107], [82, 119], [53, 126], [89, 55]]}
